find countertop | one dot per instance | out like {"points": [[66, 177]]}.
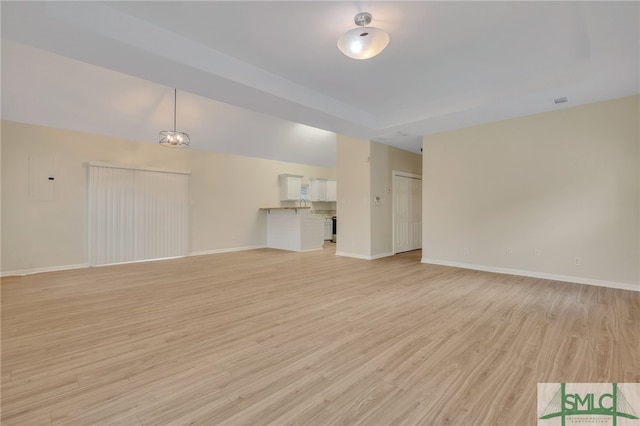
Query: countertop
{"points": [[284, 208]]}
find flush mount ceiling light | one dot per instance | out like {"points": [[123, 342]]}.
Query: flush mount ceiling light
{"points": [[364, 42], [174, 138]]}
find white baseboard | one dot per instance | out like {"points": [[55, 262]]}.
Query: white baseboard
{"points": [[381, 255], [353, 255], [226, 250], [363, 256], [128, 262], [543, 275], [23, 272]]}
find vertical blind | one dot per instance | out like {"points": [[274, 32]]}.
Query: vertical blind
{"points": [[137, 214]]}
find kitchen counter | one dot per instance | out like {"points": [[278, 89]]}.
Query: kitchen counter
{"points": [[284, 208], [292, 228]]}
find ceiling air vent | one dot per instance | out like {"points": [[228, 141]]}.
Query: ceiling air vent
{"points": [[560, 100]]}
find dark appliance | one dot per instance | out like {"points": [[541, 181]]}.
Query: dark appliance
{"points": [[334, 221]]}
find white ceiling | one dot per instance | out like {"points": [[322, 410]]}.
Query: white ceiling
{"points": [[270, 65]]}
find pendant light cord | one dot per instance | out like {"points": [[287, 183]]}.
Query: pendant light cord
{"points": [[175, 102]]}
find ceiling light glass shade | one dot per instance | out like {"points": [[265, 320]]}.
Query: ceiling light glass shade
{"points": [[174, 138], [364, 42]]}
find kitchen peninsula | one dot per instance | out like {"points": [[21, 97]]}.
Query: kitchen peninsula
{"points": [[292, 228]]}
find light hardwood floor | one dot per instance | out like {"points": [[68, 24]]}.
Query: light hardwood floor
{"points": [[274, 337]]}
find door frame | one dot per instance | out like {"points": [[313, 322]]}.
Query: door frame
{"points": [[394, 175]]}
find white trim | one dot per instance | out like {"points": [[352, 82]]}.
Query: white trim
{"points": [[543, 275], [137, 261], [381, 255], [225, 250], [363, 256], [353, 255], [144, 169], [23, 272]]}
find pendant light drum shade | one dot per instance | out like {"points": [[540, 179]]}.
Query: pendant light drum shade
{"points": [[364, 42]]}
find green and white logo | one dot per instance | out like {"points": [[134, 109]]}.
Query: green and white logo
{"points": [[615, 404]]}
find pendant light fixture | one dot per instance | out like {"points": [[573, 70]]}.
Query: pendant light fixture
{"points": [[364, 42], [174, 138]]}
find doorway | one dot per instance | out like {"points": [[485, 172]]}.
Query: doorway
{"points": [[407, 212]]}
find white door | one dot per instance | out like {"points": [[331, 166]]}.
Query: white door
{"points": [[407, 212]]}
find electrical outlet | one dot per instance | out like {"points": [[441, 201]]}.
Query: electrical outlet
{"points": [[577, 261], [509, 251], [465, 251]]}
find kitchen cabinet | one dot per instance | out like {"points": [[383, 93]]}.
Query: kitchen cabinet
{"points": [[332, 193], [290, 186], [292, 228], [321, 189], [317, 189]]}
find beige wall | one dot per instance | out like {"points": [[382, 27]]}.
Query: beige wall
{"points": [[384, 161], [225, 190], [565, 183], [364, 170], [354, 215]]}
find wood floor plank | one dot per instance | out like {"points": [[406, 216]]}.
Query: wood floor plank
{"points": [[274, 337]]}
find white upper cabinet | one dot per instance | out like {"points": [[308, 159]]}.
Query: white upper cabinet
{"points": [[290, 186], [322, 189], [332, 193], [317, 189]]}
